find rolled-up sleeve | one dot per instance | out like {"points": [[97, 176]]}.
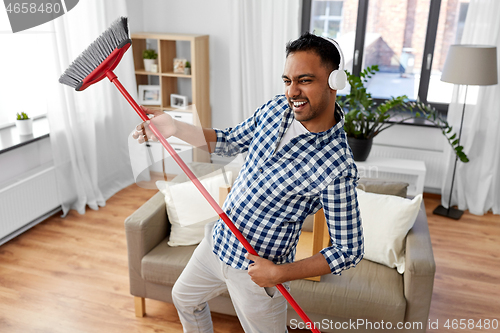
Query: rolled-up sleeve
{"points": [[233, 141], [340, 205]]}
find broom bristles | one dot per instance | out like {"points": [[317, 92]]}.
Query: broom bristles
{"points": [[96, 53]]}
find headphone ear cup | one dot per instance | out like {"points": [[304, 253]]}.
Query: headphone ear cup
{"points": [[341, 79], [337, 80]]}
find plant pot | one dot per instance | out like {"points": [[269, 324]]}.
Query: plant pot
{"points": [[187, 70], [360, 148], [148, 63], [25, 126]]}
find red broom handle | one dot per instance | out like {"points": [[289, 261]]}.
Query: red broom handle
{"points": [[112, 77]]}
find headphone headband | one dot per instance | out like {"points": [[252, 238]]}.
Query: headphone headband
{"points": [[338, 78], [337, 46]]}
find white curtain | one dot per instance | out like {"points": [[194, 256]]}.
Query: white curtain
{"points": [[89, 129], [477, 183], [261, 29]]}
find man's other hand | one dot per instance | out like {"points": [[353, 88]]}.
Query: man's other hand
{"points": [[163, 122], [262, 271]]}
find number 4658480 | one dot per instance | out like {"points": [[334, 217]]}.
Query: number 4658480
{"points": [[32, 8], [463, 324]]}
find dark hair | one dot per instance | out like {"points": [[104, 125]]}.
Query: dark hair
{"points": [[330, 56]]}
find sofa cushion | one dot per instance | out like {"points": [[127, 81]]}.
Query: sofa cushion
{"points": [[164, 263], [381, 186], [188, 211], [368, 291], [386, 221], [372, 185]]}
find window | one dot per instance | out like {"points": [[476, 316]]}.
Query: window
{"points": [[449, 31], [336, 19], [408, 40], [327, 18], [25, 60]]}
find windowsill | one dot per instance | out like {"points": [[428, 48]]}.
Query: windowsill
{"points": [[421, 121], [412, 122], [11, 139]]}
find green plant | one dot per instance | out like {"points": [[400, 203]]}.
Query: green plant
{"points": [[188, 64], [149, 54], [365, 118], [22, 116]]}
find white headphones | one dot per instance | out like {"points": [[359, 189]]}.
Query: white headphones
{"points": [[338, 78]]}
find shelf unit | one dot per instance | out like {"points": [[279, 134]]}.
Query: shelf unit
{"points": [[166, 47]]}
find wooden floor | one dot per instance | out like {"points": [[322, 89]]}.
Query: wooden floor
{"points": [[70, 275]]}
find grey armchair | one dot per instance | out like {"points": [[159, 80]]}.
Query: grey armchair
{"points": [[369, 292]]}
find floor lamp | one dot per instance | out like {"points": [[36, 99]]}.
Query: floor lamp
{"points": [[469, 65]]}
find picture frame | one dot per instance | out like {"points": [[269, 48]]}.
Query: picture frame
{"points": [[178, 101], [149, 95], [179, 65]]}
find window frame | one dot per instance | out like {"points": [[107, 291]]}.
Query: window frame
{"points": [[362, 18]]}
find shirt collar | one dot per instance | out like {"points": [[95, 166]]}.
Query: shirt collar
{"points": [[321, 138]]}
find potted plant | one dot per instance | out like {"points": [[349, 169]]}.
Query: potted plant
{"points": [[150, 57], [24, 124], [365, 119], [187, 69]]}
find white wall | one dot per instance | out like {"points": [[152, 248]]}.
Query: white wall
{"points": [[417, 137], [198, 17], [135, 15], [415, 143]]}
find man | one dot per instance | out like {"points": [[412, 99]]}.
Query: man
{"points": [[298, 162]]}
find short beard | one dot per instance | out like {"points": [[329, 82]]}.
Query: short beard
{"points": [[315, 111]]}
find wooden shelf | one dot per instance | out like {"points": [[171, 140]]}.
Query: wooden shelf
{"points": [[172, 74], [171, 108], [169, 74], [159, 107], [144, 72], [166, 36], [166, 46]]}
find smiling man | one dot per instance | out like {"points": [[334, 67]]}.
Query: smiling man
{"points": [[298, 162], [311, 100]]}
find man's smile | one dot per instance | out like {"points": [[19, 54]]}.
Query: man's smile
{"points": [[298, 105]]}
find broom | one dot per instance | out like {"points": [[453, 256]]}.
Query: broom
{"points": [[97, 62]]}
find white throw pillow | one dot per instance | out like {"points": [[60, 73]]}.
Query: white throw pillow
{"points": [[386, 221], [188, 211]]}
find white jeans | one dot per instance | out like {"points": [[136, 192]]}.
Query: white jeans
{"points": [[205, 277]]}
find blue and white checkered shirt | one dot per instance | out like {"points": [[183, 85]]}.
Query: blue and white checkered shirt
{"points": [[276, 190]]}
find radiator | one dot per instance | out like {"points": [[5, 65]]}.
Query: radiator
{"points": [[26, 199], [434, 163]]}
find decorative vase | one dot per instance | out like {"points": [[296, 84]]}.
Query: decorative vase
{"points": [[25, 126], [148, 63], [360, 148]]}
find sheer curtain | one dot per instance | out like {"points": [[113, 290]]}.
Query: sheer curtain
{"points": [[89, 129], [261, 30], [477, 182]]}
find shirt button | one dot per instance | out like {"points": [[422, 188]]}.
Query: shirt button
{"points": [[261, 170]]}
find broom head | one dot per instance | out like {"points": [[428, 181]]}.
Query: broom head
{"points": [[102, 56]]}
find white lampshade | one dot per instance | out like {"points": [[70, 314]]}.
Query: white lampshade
{"points": [[471, 65]]}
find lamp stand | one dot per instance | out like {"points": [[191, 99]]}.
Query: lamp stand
{"points": [[451, 212]]}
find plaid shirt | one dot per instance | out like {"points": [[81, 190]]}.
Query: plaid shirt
{"points": [[276, 190]]}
